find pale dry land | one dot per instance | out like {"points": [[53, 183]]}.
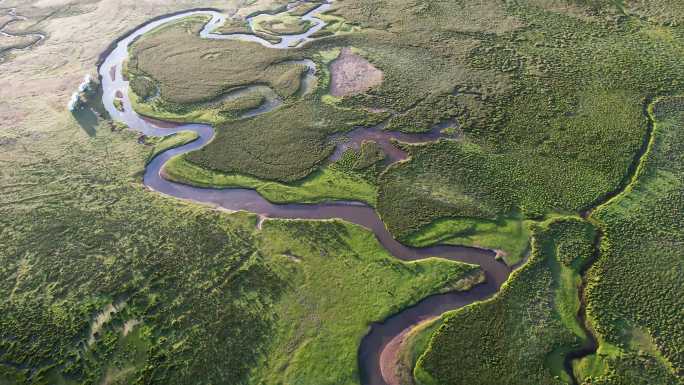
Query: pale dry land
{"points": [[352, 74], [35, 85]]}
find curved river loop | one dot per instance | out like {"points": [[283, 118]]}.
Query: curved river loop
{"points": [[372, 362]]}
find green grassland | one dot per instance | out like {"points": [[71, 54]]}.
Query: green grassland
{"points": [[514, 338], [104, 282], [318, 335], [634, 295], [330, 183], [510, 236], [217, 110], [352, 178], [169, 142]]}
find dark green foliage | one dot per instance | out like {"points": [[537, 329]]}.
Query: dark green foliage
{"points": [[143, 86], [191, 277], [637, 283], [366, 161], [428, 112], [507, 340], [577, 90], [369, 154], [442, 179], [284, 145], [635, 369]]}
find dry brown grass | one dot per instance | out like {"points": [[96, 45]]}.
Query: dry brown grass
{"points": [[9, 42]]}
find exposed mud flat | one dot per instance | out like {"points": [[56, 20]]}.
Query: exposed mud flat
{"points": [[351, 74], [391, 365]]}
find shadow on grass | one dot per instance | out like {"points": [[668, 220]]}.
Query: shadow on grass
{"points": [[87, 119]]}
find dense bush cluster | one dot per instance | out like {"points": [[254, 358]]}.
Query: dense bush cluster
{"points": [[284, 145], [513, 338], [634, 369], [366, 161], [143, 86], [577, 90], [442, 179]]}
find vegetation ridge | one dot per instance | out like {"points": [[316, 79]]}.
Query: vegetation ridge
{"points": [[591, 345]]}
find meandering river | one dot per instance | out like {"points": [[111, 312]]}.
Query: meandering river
{"points": [[380, 334]]}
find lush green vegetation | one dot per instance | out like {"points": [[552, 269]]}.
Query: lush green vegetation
{"points": [[318, 335], [352, 178], [102, 281], [537, 92], [330, 183], [228, 107], [168, 142], [233, 25], [509, 236], [296, 143], [515, 337], [634, 295], [415, 344], [78, 233], [281, 24], [290, 142]]}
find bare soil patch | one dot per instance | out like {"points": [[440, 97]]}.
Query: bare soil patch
{"points": [[352, 74]]}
